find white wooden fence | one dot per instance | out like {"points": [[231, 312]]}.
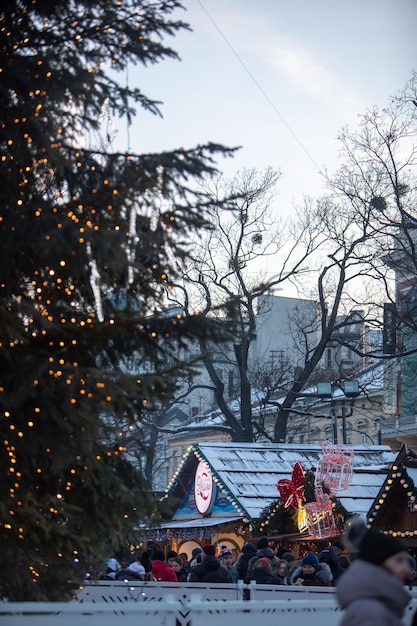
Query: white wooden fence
{"points": [[137, 591], [168, 604]]}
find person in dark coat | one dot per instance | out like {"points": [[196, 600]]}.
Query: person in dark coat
{"points": [[177, 565], [262, 572], [196, 557], [330, 556], [134, 571], [372, 591], [263, 549], [184, 557], [146, 561], [248, 551], [209, 570], [312, 573]]}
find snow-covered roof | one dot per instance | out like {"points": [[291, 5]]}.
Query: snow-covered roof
{"points": [[249, 471]]}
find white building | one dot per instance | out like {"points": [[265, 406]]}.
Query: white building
{"points": [[282, 324]]}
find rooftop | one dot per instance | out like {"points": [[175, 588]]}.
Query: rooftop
{"points": [[249, 472]]}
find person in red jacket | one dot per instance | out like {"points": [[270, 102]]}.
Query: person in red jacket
{"points": [[161, 570]]}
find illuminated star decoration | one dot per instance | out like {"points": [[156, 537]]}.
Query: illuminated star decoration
{"points": [[292, 491]]}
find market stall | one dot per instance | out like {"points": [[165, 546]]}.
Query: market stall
{"points": [[224, 491]]}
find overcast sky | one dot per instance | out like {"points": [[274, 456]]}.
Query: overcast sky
{"points": [[278, 78]]}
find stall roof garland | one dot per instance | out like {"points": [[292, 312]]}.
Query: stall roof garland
{"points": [[275, 519], [194, 450], [187, 534], [247, 473], [173, 481], [399, 474]]}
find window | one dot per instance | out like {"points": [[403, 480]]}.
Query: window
{"points": [[377, 426], [315, 435], [362, 428], [328, 433], [328, 358], [231, 383], [296, 436]]}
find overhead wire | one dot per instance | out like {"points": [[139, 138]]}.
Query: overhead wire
{"points": [[263, 92]]}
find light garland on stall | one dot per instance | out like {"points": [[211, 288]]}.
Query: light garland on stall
{"points": [[185, 457], [397, 476], [228, 494], [194, 450]]}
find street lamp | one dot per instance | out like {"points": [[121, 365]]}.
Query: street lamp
{"points": [[350, 390], [324, 390]]}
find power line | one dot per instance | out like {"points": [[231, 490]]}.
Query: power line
{"points": [[265, 95]]}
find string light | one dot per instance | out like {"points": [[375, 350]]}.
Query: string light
{"points": [[397, 476], [56, 188]]}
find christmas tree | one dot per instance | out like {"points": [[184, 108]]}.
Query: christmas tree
{"points": [[89, 239]]}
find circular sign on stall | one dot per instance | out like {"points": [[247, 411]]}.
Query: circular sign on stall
{"points": [[204, 489]]}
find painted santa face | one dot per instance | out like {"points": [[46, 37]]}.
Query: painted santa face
{"points": [[398, 565]]}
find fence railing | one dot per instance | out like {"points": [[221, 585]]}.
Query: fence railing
{"points": [[138, 591], [170, 612], [290, 606]]}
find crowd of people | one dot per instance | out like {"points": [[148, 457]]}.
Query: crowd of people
{"points": [[371, 584], [262, 563]]}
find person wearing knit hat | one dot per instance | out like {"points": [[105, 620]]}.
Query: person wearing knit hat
{"points": [[248, 551], [225, 552], [226, 561], [329, 556], [209, 570], [311, 560], [372, 591], [249, 548], [196, 557], [312, 573], [195, 552]]}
